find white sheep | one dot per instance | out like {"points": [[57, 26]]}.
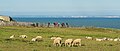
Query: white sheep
{"points": [[57, 42], [98, 39], [110, 39], [90, 38], [116, 39], [23, 36], [34, 39], [39, 38], [104, 38], [76, 42], [68, 42], [13, 36]]}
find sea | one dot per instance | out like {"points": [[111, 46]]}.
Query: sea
{"points": [[77, 22]]}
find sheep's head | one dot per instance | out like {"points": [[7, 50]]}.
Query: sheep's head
{"points": [[52, 38]]}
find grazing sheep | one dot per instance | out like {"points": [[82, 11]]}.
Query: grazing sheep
{"points": [[76, 42], [104, 38], [57, 42], [68, 42], [13, 36], [23, 36], [97, 39], [34, 39], [110, 39], [90, 38], [116, 39], [39, 38]]}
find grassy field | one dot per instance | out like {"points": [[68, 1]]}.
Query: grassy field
{"points": [[19, 44]]}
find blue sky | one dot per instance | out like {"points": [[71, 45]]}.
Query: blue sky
{"points": [[60, 7]]}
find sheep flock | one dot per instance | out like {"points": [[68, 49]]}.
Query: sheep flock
{"points": [[69, 42]]}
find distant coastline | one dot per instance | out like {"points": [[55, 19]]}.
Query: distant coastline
{"points": [[47, 16], [75, 22], [102, 22]]}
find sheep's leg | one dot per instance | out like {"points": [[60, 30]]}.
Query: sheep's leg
{"points": [[54, 44], [72, 44], [80, 44], [59, 44], [66, 44]]}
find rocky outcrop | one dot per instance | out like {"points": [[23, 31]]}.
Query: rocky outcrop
{"points": [[6, 18]]}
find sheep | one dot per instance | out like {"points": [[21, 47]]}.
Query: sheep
{"points": [[13, 36], [39, 38], [57, 42], [33, 39], [97, 39], [110, 39], [68, 42], [23, 36], [90, 38], [76, 42], [116, 39], [104, 38]]}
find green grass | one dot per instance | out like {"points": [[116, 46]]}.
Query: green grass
{"points": [[19, 44]]}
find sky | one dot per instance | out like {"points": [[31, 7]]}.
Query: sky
{"points": [[60, 7]]}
